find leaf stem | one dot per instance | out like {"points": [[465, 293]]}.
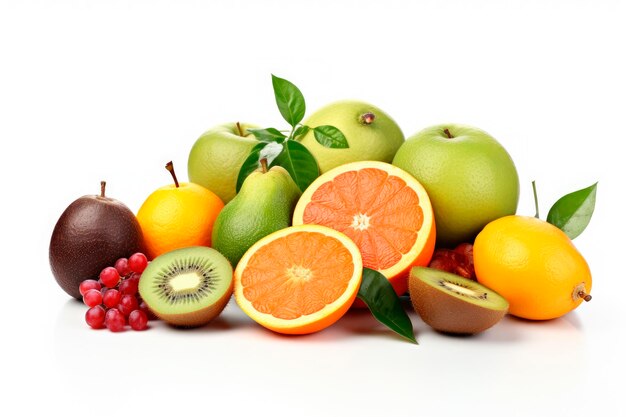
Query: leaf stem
{"points": [[293, 130], [536, 200]]}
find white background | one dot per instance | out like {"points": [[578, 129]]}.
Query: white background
{"points": [[112, 90]]}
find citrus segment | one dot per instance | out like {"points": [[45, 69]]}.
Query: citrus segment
{"points": [[384, 210], [299, 280]]}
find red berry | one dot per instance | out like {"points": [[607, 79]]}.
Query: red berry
{"points": [[137, 262], [114, 320], [130, 285], [92, 298], [95, 317], [109, 276], [111, 298], [138, 320], [127, 304], [144, 307], [88, 284], [122, 267]]}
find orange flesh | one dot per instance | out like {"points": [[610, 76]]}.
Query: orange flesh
{"points": [[379, 212], [297, 275]]}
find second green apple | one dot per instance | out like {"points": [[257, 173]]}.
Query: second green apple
{"points": [[470, 178]]}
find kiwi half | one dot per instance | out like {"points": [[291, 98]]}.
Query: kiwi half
{"points": [[453, 304], [187, 287]]}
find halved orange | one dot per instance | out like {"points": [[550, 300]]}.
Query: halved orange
{"points": [[299, 280], [382, 208]]}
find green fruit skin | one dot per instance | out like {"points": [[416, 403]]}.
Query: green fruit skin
{"points": [[377, 141], [265, 204], [216, 157], [470, 179]]}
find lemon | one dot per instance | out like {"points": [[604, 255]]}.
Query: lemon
{"points": [[534, 265]]}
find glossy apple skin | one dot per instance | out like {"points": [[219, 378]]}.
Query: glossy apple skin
{"points": [[470, 178], [216, 157], [91, 234]]}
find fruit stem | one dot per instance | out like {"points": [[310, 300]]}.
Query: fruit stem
{"points": [[584, 295], [103, 186], [170, 167], [239, 129], [536, 200], [263, 162], [367, 118], [448, 134]]}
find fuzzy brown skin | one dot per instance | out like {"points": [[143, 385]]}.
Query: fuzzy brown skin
{"points": [[91, 234], [446, 313]]}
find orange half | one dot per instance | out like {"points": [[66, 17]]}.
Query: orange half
{"points": [[299, 280], [382, 208]]}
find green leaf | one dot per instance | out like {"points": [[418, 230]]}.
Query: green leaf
{"points": [[300, 131], [330, 137], [384, 303], [299, 162], [250, 164], [268, 135], [572, 212], [289, 99]]}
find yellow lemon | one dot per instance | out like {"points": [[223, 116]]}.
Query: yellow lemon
{"points": [[534, 265]]}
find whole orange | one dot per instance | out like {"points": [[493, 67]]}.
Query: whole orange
{"points": [[534, 265], [177, 216]]}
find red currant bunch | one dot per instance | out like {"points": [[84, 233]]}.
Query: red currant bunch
{"points": [[114, 299]]}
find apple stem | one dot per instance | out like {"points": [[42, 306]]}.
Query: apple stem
{"points": [[584, 295], [170, 167], [536, 200], [239, 129], [103, 186], [448, 134], [263, 162], [367, 118]]}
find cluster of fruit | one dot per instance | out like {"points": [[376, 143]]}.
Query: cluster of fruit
{"points": [[373, 216], [113, 299]]}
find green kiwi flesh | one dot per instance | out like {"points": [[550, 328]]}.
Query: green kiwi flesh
{"points": [[453, 304], [187, 287]]}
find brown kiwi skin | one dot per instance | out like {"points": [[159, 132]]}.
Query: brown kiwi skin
{"points": [[448, 314]]}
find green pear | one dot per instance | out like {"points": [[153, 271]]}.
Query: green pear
{"points": [[216, 158], [264, 204]]}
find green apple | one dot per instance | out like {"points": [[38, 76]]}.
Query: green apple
{"points": [[371, 133], [470, 178], [217, 156]]}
